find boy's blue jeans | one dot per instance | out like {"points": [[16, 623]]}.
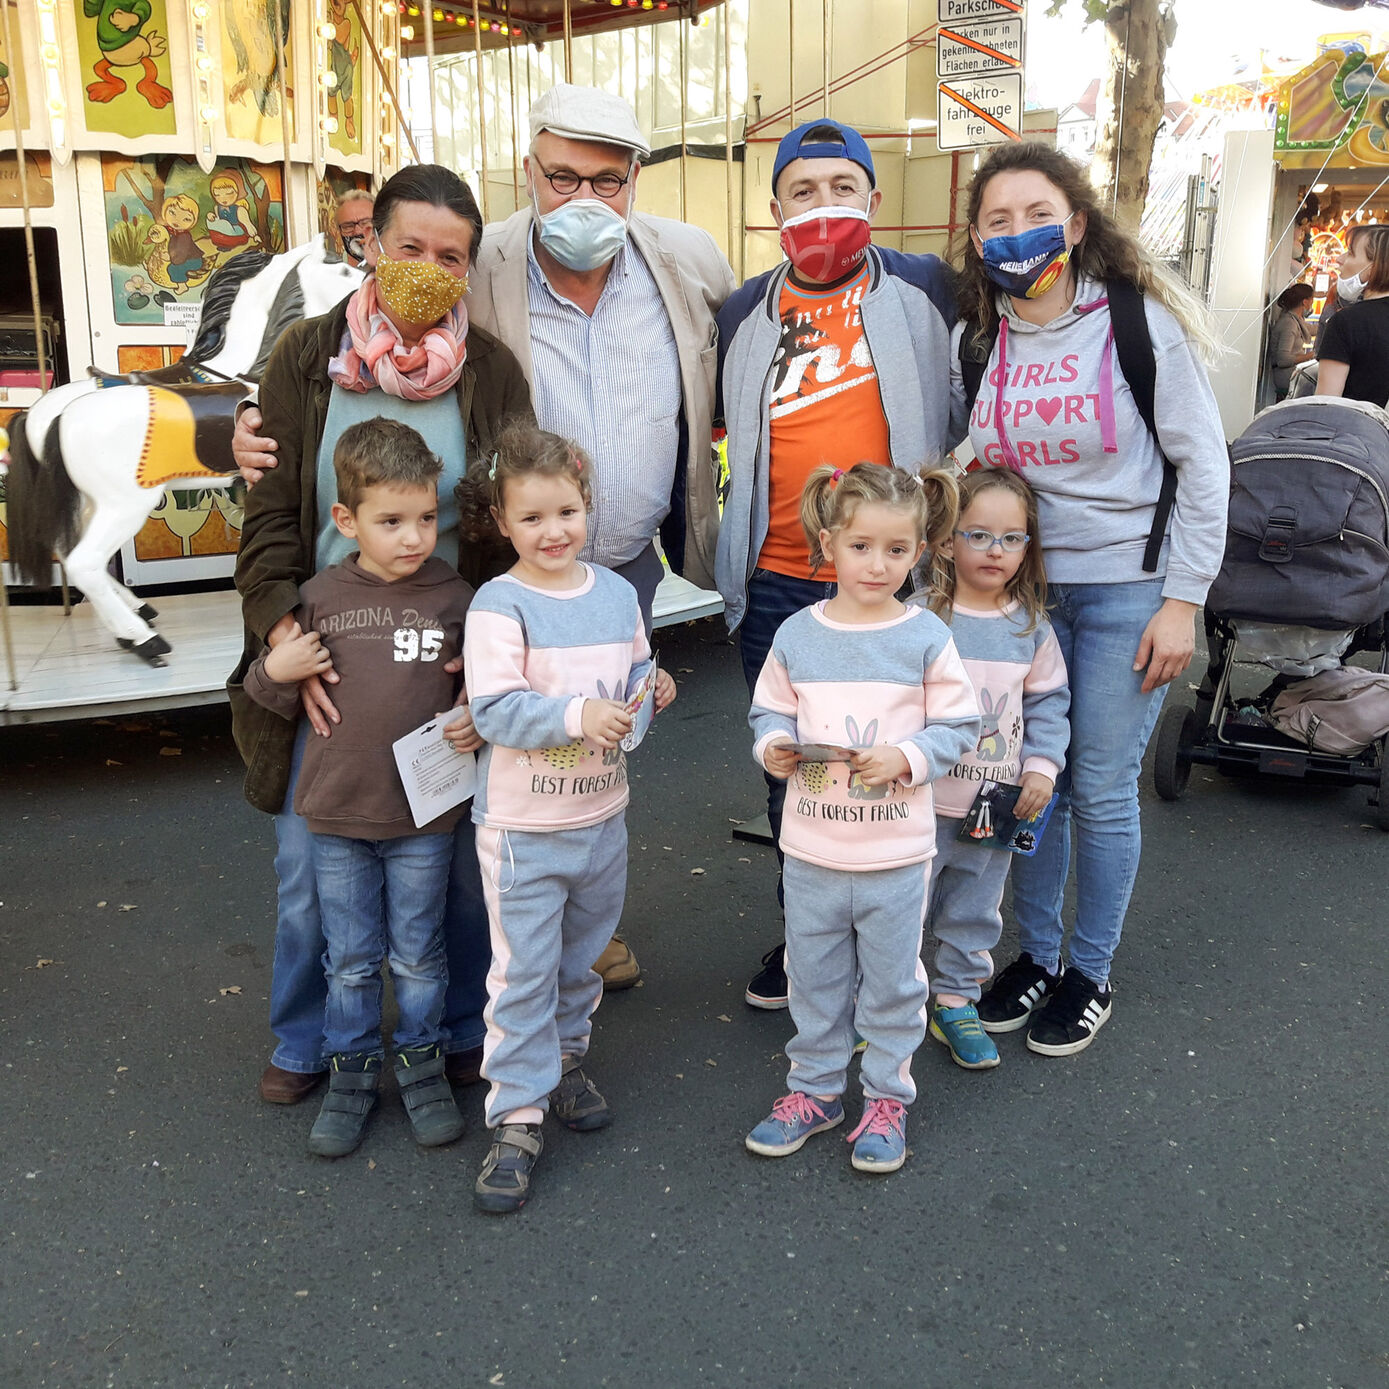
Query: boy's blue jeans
{"points": [[383, 899], [298, 991], [1098, 627]]}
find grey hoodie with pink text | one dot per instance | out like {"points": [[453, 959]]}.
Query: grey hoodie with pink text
{"points": [[1054, 404]]}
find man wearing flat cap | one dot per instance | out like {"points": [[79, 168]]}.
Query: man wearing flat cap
{"points": [[610, 312]]}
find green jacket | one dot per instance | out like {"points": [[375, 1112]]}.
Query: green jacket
{"points": [[281, 523]]}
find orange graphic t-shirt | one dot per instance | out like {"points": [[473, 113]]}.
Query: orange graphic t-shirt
{"points": [[825, 408]]}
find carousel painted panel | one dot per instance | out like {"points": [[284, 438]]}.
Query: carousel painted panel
{"points": [[125, 75], [168, 225], [15, 78]]}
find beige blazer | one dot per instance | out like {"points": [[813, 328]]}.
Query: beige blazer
{"points": [[693, 279]]}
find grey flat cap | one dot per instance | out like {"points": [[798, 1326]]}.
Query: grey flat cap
{"points": [[585, 113]]}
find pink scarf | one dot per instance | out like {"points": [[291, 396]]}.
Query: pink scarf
{"points": [[373, 353]]}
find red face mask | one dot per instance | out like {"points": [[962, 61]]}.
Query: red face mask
{"points": [[826, 242]]}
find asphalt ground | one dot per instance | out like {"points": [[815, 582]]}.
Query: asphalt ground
{"points": [[1198, 1199]]}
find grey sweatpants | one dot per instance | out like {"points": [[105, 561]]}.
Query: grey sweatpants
{"points": [[855, 931], [966, 893], [553, 902]]}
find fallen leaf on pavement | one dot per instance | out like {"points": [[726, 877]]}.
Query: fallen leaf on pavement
{"points": [[126, 907], [44, 964], [230, 989], [172, 752]]}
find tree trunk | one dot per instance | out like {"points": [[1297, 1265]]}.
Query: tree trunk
{"points": [[1130, 106]]}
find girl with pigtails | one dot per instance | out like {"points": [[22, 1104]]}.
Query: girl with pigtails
{"points": [[861, 704]]}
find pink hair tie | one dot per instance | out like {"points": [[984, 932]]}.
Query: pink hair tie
{"points": [[835, 476]]}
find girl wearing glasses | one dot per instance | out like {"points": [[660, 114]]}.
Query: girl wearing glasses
{"points": [[988, 586], [1048, 279]]}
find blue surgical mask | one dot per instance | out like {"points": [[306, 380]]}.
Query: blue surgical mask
{"points": [[1029, 264], [582, 234]]}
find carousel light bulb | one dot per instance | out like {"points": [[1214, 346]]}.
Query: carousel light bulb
{"points": [[209, 114], [204, 63], [55, 105], [326, 31], [329, 79], [387, 6], [200, 11], [407, 32], [388, 140], [330, 124], [49, 53], [387, 53]]}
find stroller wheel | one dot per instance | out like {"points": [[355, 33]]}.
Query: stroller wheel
{"points": [[1172, 757], [1379, 808]]}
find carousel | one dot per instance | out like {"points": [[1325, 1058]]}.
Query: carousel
{"points": [[163, 178]]}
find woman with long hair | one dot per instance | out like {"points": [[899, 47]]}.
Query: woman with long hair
{"points": [[1048, 281]]}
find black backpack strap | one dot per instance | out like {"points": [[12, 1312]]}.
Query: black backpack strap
{"points": [[1136, 361], [976, 347]]}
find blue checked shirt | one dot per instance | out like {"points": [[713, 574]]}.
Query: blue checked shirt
{"points": [[611, 383]]}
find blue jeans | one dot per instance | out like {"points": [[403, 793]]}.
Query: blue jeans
{"points": [[298, 991], [383, 899], [1098, 627], [772, 598]]}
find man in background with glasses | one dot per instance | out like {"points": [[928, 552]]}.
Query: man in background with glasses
{"points": [[355, 238]]}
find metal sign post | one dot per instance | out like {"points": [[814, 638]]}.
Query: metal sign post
{"points": [[979, 72]]}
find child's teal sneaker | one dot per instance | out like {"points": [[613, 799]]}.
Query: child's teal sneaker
{"points": [[960, 1030], [880, 1140], [793, 1119]]}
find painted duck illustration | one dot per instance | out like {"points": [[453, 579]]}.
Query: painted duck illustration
{"points": [[126, 43]]}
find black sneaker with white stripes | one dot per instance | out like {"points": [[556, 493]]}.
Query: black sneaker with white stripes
{"points": [[1067, 1022], [1008, 1002]]}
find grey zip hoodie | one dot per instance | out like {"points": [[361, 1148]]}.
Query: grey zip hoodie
{"points": [[1054, 404]]}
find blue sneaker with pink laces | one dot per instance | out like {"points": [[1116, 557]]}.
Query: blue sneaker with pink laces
{"points": [[880, 1140], [793, 1119]]}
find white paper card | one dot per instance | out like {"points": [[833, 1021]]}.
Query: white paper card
{"points": [[435, 777]]}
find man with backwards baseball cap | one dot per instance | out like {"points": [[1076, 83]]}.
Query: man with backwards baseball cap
{"points": [[839, 355]]}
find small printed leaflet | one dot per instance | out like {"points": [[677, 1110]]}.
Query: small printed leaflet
{"points": [[992, 824], [435, 777], [821, 752], [642, 708]]}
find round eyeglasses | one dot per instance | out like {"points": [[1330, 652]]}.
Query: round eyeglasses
{"points": [[358, 228], [566, 181], [1011, 541]]}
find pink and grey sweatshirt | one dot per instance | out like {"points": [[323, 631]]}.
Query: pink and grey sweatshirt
{"points": [[1054, 405], [898, 682], [531, 658], [1020, 680]]}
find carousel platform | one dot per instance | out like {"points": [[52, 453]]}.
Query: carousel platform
{"points": [[69, 667]]}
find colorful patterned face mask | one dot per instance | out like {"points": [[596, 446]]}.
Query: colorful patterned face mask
{"points": [[1029, 264], [417, 292]]}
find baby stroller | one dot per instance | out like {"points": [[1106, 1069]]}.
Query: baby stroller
{"points": [[1303, 586]]}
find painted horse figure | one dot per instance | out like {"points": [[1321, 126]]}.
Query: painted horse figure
{"points": [[91, 460]]}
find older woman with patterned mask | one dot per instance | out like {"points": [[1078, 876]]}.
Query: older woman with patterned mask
{"points": [[399, 346]]}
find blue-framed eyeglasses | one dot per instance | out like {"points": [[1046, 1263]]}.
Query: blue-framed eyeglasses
{"points": [[1011, 541]]}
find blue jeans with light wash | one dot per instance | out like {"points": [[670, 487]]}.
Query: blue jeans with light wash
{"points": [[1098, 627], [383, 899], [772, 598], [298, 990]]}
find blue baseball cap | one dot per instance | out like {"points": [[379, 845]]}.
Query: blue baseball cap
{"points": [[849, 145]]}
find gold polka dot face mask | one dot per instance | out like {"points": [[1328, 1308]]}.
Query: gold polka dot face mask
{"points": [[417, 291]]}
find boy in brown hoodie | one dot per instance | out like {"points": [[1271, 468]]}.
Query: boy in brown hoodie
{"points": [[386, 622]]}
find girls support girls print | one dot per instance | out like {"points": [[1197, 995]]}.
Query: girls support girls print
{"points": [[1050, 412]]}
